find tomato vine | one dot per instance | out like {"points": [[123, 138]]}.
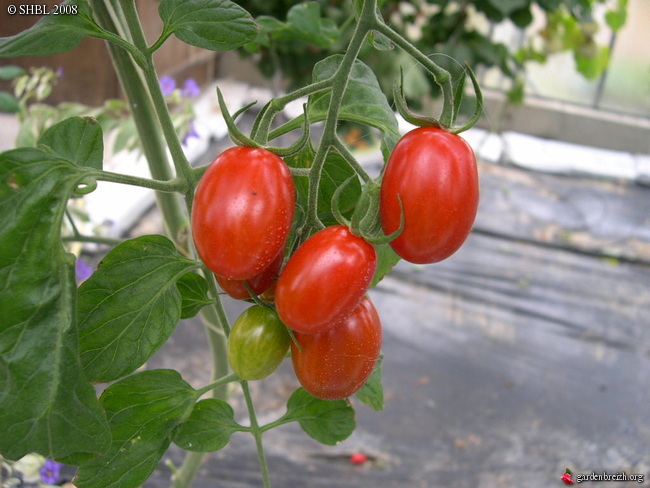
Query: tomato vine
{"points": [[145, 285]]}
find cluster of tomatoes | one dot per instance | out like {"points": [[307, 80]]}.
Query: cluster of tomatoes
{"points": [[241, 220]]}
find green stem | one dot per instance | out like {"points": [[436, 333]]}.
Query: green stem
{"points": [[367, 21], [144, 115], [440, 75], [220, 382], [111, 241], [343, 150], [257, 434], [262, 128], [168, 186], [182, 165]]}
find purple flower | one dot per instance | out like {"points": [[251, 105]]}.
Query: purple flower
{"points": [[167, 85], [82, 270], [191, 132], [59, 72], [190, 88], [50, 472]]}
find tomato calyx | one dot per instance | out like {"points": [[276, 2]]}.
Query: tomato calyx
{"points": [[424, 121], [241, 139], [365, 221]]}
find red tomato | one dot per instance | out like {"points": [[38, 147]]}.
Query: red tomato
{"points": [[324, 279], [335, 363], [242, 212], [434, 173], [258, 283]]}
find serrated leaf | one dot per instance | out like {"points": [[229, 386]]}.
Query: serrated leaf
{"points": [[327, 421], [143, 410], [46, 406], [363, 100], [8, 103], [372, 392], [77, 139], [130, 306], [194, 294], [217, 25], [52, 34], [208, 427]]}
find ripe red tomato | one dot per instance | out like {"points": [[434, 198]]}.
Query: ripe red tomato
{"points": [[335, 363], [258, 343], [434, 173], [242, 212], [324, 279], [259, 283]]}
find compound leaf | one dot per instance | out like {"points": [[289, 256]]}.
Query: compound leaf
{"points": [[143, 410], [53, 33], [46, 406], [130, 306]]}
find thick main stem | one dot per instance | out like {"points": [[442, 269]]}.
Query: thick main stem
{"points": [[144, 115]]}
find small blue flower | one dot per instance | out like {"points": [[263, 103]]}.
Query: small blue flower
{"points": [[190, 88], [191, 132], [82, 270], [50, 472], [167, 85]]}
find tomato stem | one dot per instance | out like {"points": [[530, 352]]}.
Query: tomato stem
{"points": [[440, 75], [257, 434]]}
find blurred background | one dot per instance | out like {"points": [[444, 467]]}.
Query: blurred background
{"points": [[528, 351]]}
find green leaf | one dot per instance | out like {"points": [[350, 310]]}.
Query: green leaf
{"points": [[8, 103], [46, 406], [10, 72], [363, 101], [52, 34], [335, 172], [217, 25], [592, 65], [506, 7], [305, 24], [386, 260], [130, 306], [208, 428], [77, 139], [194, 294], [327, 421], [143, 410], [372, 392], [617, 17]]}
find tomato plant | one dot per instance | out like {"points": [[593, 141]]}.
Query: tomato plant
{"points": [[258, 343], [259, 283], [433, 172], [245, 215], [242, 212], [324, 279], [336, 362]]}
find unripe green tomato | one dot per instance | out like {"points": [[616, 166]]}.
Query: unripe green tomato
{"points": [[258, 343]]}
